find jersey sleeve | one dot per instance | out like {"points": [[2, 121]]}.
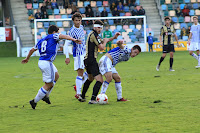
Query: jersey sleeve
{"points": [[126, 49], [96, 39], [37, 45], [56, 36], [161, 31], [191, 29]]}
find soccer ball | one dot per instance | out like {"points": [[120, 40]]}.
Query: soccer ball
{"points": [[102, 99]]}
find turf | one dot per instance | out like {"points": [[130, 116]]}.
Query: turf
{"points": [[159, 101]]}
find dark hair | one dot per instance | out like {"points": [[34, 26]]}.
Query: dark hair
{"points": [[52, 28], [98, 22], [76, 15], [167, 18], [137, 47]]}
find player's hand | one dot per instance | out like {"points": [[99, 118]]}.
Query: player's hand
{"points": [[78, 41], [24, 61], [120, 42], [67, 61], [178, 45], [117, 34], [161, 43], [188, 42]]}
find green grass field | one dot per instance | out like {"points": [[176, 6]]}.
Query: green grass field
{"points": [[177, 112]]}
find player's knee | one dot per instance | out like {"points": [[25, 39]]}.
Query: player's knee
{"points": [[190, 52], [109, 79], [118, 79], [56, 76]]}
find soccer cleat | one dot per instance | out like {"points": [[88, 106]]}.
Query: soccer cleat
{"points": [[33, 104], [172, 70], [77, 96], [82, 100], [75, 88], [197, 66], [158, 67], [46, 99], [122, 99], [92, 102]]}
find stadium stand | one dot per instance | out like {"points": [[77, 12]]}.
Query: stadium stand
{"points": [[131, 32]]}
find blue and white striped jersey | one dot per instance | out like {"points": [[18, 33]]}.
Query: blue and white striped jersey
{"points": [[78, 33], [119, 55], [48, 47]]}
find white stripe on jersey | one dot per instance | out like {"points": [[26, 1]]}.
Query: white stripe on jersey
{"points": [[56, 36], [78, 33], [119, 55]]}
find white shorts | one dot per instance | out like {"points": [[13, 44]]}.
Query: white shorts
{"points": [[193, 46], [48, 70], [79, 62], [105, 65]]}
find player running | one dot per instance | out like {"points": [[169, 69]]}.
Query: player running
{"points": [[93, 43], [193, 40], [48, 50], [166, 40], [77, 32], [108, 62]]}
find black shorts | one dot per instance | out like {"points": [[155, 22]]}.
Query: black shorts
{"points": [[168, 48], [92, 67]]}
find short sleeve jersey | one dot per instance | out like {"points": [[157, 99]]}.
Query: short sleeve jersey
{"points": [[92, 43], [78, 33], [167, 33], [119, 55], [48, 47], [195, 33]]}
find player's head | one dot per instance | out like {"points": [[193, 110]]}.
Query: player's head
{"points": [[107, 27], [53, 29], [167, 20], [135, 50], [195, 19], [77, 18], [150, 33], [98, 26]]}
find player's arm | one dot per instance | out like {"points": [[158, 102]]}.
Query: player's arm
{"points": [[160, 37], [28, 56], [114, 37], [190, 36], [69, 38], [102, 44], [120, 44], [176, 40]]}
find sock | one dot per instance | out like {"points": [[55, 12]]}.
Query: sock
{"points": [[161, 59], [78, 84], [171, 62], [118, 88], [41, 93], [85, 87], [96, 89], [49, 92], [195, 56], [85, 77], [104, 87]]}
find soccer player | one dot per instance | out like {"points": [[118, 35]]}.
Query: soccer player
{"points": [[77, 32], [166, 40], [108, 62], [107, 34], [48, 49], [93, 43], [193, 40]]}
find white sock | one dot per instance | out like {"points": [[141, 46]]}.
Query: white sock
{"points": [[104, 87], [118, 88], [41, 93], [78, 84], [85, 77], [49, 92], [195, 56]]}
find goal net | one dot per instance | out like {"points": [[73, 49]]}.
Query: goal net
{"points": [[132, 29]]}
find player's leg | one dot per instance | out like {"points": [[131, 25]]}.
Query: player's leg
{"points": [[105, 65], [85, 77], [108, 77], [79, 81], [161, 60], [193, 47], [171, 60], [118, 85], [48, 74], [151, 47], [86, 85]]}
